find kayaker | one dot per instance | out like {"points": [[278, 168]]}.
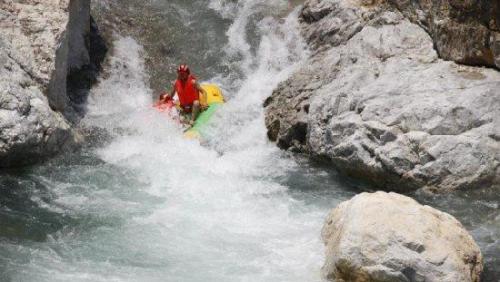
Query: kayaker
{"points": [[188, 90]]}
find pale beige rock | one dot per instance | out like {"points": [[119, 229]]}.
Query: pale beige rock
{"points": [[390, 237]]}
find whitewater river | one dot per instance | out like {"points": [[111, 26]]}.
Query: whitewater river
{"points": [[140, 203]]}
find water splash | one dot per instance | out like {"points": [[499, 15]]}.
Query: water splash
{"points": [[216, 213]]}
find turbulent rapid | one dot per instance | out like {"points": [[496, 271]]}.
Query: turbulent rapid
{"points": [[147, 205], [141, 203]]}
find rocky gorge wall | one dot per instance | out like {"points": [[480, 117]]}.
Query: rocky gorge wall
{"points": [[377, 99], [45, 64]]}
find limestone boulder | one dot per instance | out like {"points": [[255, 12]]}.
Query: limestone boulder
{"points": [[390, 237]]}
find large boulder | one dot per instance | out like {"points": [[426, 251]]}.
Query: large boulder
{"points": [[376, 100], [43, 43], [384, 237]]}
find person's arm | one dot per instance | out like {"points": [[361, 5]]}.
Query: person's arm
{"points": [[172, 92], [203, 101]]}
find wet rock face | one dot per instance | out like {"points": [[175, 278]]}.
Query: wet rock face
{"points": [[463, 31], [41, 42], [390, 237], [376, 100]]}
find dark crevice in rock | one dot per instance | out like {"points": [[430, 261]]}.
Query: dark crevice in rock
{"points": [[300, 132], [494, 137], [296, 137], [306, 108], [268, 101], [309, 15], [98, 48], [80, 80], [370, 151]]}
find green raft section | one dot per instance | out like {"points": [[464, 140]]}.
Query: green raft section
{"points": [[198, 129], [214, 100]]}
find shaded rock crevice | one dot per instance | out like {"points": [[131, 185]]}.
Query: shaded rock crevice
{"points": [[78, 62], [80, 79]]}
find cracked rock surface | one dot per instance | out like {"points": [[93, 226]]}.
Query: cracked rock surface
{"points": [[467, 32], [40, 42], [376, 100], [390, 237]]}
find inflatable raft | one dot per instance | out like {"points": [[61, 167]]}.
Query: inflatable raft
{"points": [[211, 103]]}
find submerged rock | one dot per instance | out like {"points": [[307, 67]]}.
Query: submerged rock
{"points": [[43, 45], [390, 237], [377, 101]]}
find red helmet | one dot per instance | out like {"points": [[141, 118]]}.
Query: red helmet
{"points": [[183, 68]]}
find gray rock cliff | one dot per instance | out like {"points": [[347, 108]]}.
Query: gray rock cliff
{"points": [[377, 101], [41, 43]]}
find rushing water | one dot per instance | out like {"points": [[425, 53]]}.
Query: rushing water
{"points": [[143, 204]]}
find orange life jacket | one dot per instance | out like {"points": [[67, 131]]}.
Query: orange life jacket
{"points": [[187, 91]]}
